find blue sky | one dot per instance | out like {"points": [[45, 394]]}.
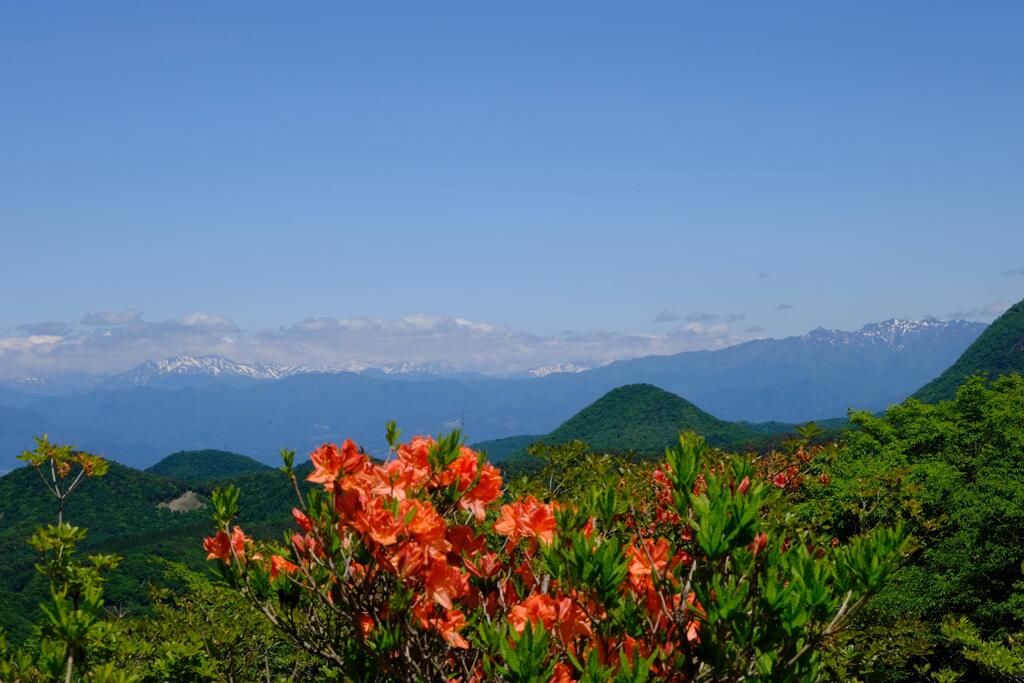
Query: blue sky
{"points": [[546, 169]]}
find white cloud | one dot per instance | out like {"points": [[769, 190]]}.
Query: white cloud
{"points": [[126, 339], [28, 344]]}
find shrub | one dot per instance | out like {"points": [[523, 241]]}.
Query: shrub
{"points": [[415, 569]]}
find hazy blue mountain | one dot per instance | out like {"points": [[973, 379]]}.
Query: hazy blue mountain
{"points": [[813, 376], [52, 385], [817, 375]]}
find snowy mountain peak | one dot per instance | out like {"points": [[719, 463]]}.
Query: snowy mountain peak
{"points": [[572, 366], [214, 366], [894, 333]]}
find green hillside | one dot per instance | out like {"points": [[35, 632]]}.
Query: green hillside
{"points": [[206, 464], [998, 351], [126, 512], [645, 419], [501, 449]]}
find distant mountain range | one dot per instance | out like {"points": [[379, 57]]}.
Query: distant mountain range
{"points": [[212, 402], [181, 371]]}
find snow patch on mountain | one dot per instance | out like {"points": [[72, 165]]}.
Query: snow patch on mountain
{"points": [[572, 366], [895, 333]]}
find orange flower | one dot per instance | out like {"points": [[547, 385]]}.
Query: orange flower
{"points": [[218, 547], [416, 453], [238, 541], [301, 519], [221, 546], [365, 624], [649, 557], [329, 464], [484, 567], [536, 608], [306, 544], [379, 523], [464, 541], [278, 564], [562, 674], [444, 583], [449, 626], [487, 490], [527, 518], [571, 622]]}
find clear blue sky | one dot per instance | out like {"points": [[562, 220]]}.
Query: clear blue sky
{"points": [[541, 166]]}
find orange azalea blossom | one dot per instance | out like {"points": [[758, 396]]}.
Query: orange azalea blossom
{"points": [[462, 471], [221, 546], [444, 583], [301, 519], [527, 518], [487, 490], [379, 523], [416, 453], [397, 478], [278, 564], [305, 545], [449, 626], [539, 607], [484, 566], [464, 541], [218, 547], [572, 621], [365, 624], [562, 674], [329, 463], [647, 558]]}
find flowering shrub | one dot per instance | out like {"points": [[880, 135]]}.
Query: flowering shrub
{"points": [[416, 569]]}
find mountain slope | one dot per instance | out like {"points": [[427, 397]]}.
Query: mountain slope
{"points": [[643, 418], [640, 418], [125, 512], [205, 465], [998, 351]]}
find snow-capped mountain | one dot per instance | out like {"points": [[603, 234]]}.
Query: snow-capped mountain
{"points": [[572, 366], [412, 368], [896, 334], [179, 370], [191, 370]]}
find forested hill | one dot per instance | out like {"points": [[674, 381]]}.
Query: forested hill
{"points": [[998, 351], [644, 419], [206, 464], [137, 515]]}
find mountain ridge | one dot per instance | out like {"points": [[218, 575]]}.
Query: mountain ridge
{"points": [[998, 350], [817, 376]]}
